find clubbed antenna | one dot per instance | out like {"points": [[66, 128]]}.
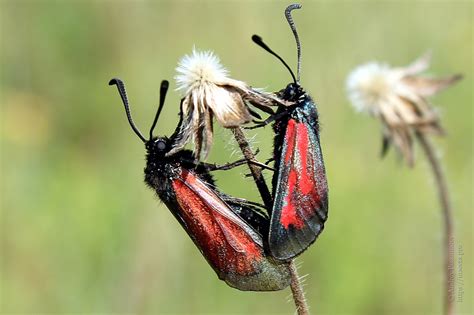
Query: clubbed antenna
{"points": [[163, 89], [288, 10], [259, 41], [123, 94]]}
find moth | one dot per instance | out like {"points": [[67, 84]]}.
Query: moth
{"points": [[227, 230], [300, 189]]}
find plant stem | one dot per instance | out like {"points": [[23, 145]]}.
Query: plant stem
{"points": [[296, 287], [443, 194], [254, 169], [297, 291]]}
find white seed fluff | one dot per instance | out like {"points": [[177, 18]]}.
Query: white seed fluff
{"points": [[199, 69], [370, 85]]}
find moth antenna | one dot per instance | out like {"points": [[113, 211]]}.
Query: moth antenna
{"points": [[123, 94], [163, 89], [289, 18], [259, 41]]}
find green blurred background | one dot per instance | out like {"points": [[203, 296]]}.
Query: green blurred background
{"points": [[80, 232]]}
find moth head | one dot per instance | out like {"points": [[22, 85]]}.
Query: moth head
{"points": [[158, 146], [292, 92]]}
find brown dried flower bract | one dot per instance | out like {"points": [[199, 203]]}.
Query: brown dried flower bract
{"points": [[208, 92], [398, 98]]}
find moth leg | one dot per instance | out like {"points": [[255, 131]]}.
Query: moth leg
{"points": [[272, 118], [262, 165], [260, 124], [214, 167], [254, 113], [227, 166], [269, 161]]}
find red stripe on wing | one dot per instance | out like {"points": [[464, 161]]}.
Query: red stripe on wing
{"points": [[300, 190], [306, 183], [288, 212], [225, 241]]}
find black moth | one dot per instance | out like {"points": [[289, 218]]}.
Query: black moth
{"points": [[300, 191], [227, 230]]}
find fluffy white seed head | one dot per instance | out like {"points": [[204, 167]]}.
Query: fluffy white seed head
{"points": [[398, 98], [201, 68], [370, 85], [209, 93]]}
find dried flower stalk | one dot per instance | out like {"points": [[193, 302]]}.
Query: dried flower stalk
{"points": [[398, 98]]}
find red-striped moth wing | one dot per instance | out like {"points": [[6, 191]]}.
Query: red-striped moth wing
{"points": [[232, 248], [300, 192]]}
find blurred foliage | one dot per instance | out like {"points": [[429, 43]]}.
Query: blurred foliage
{"points": [[81, 233]]}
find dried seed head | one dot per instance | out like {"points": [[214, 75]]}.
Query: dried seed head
{"points": [[368, 85], [208, 92], [198, 69], [397, 97]]}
